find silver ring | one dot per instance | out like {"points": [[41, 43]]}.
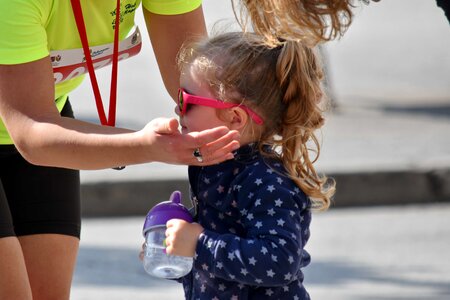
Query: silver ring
{"points": [[198, 155]]}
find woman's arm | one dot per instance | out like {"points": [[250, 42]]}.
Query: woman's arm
{"points": [[167, 34], [43, 137]]}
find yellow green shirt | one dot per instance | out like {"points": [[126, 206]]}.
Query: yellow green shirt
{"points": [[30, 29]]}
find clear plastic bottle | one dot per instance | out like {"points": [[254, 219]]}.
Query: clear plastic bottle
{"points": [[156, 261]]}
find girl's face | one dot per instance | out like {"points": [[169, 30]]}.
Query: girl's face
{"points": [[198, 117]]}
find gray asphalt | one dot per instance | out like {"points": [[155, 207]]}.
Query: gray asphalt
{"points": [[386, 142]]}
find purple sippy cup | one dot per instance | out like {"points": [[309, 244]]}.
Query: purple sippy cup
{"points": [[156, 261]]}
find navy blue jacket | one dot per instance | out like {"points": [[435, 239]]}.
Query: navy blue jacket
{"points": [[256, 224]]}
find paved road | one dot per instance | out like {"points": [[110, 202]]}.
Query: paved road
{"points": [[382, 253]]}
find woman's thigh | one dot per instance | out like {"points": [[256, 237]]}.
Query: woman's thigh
{"points": [[14, 283], [50, 261]]}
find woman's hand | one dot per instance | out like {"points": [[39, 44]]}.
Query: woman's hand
{"points": [[182, 237], [169, 145]]}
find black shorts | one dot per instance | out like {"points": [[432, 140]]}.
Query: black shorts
{"points": [[35, 199]]}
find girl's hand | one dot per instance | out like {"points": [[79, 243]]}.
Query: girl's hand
{"points": [[182, 237], [170, 146]]}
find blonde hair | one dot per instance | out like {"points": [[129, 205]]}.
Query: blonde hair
{"points": [[283, 85], [312, 21]]}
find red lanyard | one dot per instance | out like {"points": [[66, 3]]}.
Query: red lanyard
{"points": [[78, 13]]}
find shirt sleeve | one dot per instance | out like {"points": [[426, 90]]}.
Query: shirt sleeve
{"points": [[22, 33], [171, 7]]}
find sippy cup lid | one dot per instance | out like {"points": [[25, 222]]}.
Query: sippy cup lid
{"points": [[166, 210]]}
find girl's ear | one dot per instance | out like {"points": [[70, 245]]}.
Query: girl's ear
{"points": [[237, 118]]}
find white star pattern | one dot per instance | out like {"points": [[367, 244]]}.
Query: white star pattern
{"points": [[220, 189], [258, 224], [280, 222], [287, 276], [271, 212], [269, 292], [271, 188], [257, 202], [244, 271], [252, 261], [258, 181], [278, 202], [250, 217], [270, 273]]}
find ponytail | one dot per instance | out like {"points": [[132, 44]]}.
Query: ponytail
{"points": [[299, 76]]}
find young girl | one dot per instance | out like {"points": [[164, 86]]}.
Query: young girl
{"points": [[253, 212]]}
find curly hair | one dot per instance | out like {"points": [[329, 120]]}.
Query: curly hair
{"points": [[312, 21], [284, 85]]}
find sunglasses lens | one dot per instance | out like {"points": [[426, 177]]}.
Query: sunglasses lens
{"points": [[180, 101]]}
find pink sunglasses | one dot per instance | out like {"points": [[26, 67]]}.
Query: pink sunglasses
{"points": [[184, 99]]}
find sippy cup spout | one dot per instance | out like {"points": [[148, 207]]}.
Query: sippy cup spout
{"points": [[175, 197]]}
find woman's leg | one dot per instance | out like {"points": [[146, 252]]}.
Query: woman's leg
{"points": [[14, 282], [50, 261]]}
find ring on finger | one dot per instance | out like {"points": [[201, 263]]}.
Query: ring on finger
{"points": [[198, 155]]}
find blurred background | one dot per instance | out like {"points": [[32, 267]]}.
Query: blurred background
{"points": [[386, 142]]}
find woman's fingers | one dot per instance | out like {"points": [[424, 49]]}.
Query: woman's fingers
{"points": [[213, 146], [206, 147]]}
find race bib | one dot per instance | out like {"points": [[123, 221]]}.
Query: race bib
{"points": [[68, 64]]}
